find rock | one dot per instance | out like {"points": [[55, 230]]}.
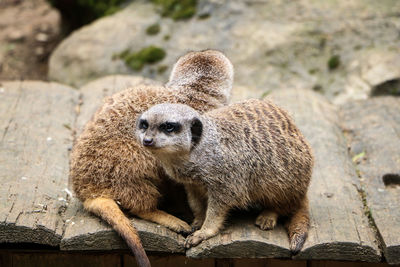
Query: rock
{"points": [[272, 44], [44, 27], [39, 51], [16, 36], [369, 73], [42, 37], [1, 63]]}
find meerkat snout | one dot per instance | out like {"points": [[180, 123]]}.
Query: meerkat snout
{"points": [[148, 141]]}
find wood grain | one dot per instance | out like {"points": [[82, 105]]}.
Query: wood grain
{"points": [[339, 228], [242, 239], [373, 130], [87, 232], [34, 160]]}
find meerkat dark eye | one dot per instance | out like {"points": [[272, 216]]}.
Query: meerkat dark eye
{"points": [[170, 127], [143, 124]]}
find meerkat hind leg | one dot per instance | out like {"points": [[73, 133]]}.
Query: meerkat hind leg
{"points": [[215, 217], [267, 219], [165, 219]]}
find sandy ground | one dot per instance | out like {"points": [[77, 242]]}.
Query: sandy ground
{"points": [[29, 31]]}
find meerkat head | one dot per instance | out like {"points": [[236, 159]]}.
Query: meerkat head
{"points": [[207, 71], [169, 129]]}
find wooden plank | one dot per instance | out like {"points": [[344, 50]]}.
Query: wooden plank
{"points": [[5, 258], [346, 264], [373, 128], [170, 261], [87, 232], [20, 259], [268, 262], [242, 239], [339, 228], [34, 160]]}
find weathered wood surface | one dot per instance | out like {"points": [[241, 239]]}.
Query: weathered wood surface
{"points": [[37, 120], [34, 160], [86, 232], [373, 130], [242, 239], [339, 228]]}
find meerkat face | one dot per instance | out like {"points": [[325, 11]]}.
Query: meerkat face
{"points": [[169, 129]]}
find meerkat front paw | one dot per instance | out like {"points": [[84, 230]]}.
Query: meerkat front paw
{"points": [[194, 239], [182, 228], [267, 220]]}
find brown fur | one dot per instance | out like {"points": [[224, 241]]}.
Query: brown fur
{"points": [[249, 154], [107, 165]]}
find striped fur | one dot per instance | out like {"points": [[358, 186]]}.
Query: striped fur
{"points": [[250, 154]]}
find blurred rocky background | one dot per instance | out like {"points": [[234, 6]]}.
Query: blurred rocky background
{"points": [[345, 50]]}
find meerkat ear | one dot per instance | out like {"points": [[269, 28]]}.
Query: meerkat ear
{"points": [[196, 129]]}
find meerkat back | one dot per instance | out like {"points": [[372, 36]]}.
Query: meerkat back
{"points": [[272, 163]]}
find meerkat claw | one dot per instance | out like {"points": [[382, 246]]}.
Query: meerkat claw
{"points": [[193, 240], [184, 229]]}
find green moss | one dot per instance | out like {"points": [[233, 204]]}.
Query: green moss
{"points": [[357, 158], [334, 62], [147, 55], [318, 88], [166, 37], [204, 16], [177, 9], [153, 29], [264, 94], [161, 69]]}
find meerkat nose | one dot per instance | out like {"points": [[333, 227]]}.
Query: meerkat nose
{"points": [[148, 142]]}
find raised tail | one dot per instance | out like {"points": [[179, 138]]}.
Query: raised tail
{"points": [[297, 227], [109, 211]]}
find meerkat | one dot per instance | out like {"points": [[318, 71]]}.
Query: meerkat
{"points": [[109, 170], [240, 156]]}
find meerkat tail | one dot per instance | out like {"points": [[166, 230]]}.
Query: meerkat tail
{"points": [[298, 227], [109, 211]]}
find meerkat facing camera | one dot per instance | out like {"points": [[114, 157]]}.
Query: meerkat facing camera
{"points": [[246, 154], [108, 166]]}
